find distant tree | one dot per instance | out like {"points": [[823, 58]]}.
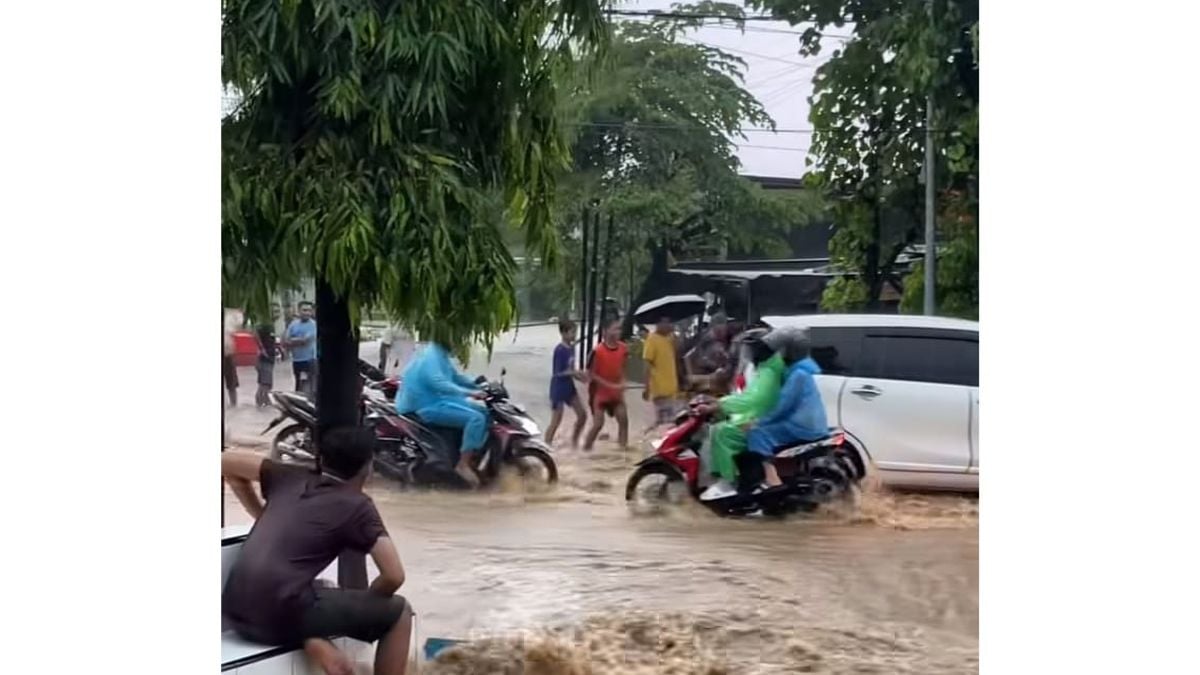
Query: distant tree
{"points": [[868, 112], [656, 124]]}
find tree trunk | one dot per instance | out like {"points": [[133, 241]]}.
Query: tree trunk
{"points": [[338, 391]]}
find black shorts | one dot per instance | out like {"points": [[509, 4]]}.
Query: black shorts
{"points": [[304, 370], [229, 372], [358, 614]]}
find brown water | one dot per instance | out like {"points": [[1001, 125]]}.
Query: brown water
{"points": [[573, 583], [569, 582]]}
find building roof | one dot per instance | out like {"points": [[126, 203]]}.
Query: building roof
{"points": [[776, 182]]}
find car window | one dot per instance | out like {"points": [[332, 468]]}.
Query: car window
{"points": [[942, 360], [836, 350]]}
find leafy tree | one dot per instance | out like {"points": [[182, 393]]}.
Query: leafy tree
{"points": [[655, 127], [868, 112], [383, 147]]}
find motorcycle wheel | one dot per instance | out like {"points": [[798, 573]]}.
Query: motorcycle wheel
{"points": [[293, 445], [655, 486], [531, 461]]}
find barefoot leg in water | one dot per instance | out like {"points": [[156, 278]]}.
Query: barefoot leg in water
{"points": [[552, 428], [581, 419], [622, 415]]}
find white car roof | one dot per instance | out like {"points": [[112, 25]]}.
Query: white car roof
{"points": [[870, 321]]}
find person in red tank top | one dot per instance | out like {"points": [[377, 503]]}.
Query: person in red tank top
{"points": [[606, 368]]}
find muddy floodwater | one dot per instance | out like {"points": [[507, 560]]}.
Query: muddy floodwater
{"points": [[569, 582]]}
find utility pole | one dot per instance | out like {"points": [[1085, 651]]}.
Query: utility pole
{"points": [[930, 229]]}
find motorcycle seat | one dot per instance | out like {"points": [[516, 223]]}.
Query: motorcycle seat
{"points": [[791, 448]]}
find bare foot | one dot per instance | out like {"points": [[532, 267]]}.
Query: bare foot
{"points": [[468, 475], [771, 475], [328, 657]]}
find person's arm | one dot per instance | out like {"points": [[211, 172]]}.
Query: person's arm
{"points": [[290, 338], [241, 470], [461, 379], [736, 404], [391, 570], [442, 380], [649, 353]]}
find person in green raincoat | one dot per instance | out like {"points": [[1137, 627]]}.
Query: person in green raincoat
{"points": [[741, 410]]}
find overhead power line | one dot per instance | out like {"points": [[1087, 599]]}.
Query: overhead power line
{"points": [[657, 14], [685, 16], [682, 127], [756, 55]]}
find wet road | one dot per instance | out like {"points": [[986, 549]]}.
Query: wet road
{"points": [[889, 586]]}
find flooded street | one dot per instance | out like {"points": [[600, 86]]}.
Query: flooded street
{"points": [[889, 586]]}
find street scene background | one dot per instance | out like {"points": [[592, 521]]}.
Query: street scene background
{"points": [[889, 585]]}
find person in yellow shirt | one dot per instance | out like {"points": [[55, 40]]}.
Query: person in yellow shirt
{"points": [[662, 387]]}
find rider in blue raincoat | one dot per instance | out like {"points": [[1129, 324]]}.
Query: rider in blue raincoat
{"points": [[800, 413], [439, 394]]}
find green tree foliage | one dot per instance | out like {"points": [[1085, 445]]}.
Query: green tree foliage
{"points": [[868, 112], [655, 127], [383, 147]]}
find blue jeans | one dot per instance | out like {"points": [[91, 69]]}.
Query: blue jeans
{"points": [[472, 418]]}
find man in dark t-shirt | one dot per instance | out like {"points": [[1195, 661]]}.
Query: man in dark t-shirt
{"points": [[309, 519]]}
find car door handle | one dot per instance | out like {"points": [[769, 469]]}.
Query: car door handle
{"points": [[867, 391]]}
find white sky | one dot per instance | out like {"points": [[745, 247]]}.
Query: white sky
{"points": [[778, 76]]}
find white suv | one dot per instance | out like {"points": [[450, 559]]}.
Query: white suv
{"points": [[906, 391]]}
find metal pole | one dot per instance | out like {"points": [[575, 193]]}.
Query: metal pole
{"points": [[583, 289], [224, 430], [608, 235], [930, 230], [594, 271]]}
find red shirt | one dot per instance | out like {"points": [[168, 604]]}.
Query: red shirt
{"points": [[609, 363]]}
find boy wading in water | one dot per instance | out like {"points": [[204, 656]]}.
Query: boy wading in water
{"points": [[562, 385], [606, 368]]}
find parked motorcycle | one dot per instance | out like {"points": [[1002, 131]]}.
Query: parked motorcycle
{"points": [[294, 442], [414, 452], [813, 473]]}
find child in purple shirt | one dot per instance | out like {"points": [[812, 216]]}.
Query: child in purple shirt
{"points": [[562, 384]]}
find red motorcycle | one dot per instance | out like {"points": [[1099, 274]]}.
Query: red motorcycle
{"points": [[813, 473]]}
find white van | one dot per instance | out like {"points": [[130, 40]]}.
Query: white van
{"points": [[906, 391]]}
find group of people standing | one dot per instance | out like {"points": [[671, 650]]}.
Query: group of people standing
{"points": [[762, 382], [299, 344], [674, 367]]}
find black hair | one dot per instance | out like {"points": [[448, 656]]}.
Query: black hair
{"points": [[302, 303], [345, 451], [565, 326]]}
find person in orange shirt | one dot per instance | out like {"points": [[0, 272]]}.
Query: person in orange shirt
{"points": [[606, 367]]}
